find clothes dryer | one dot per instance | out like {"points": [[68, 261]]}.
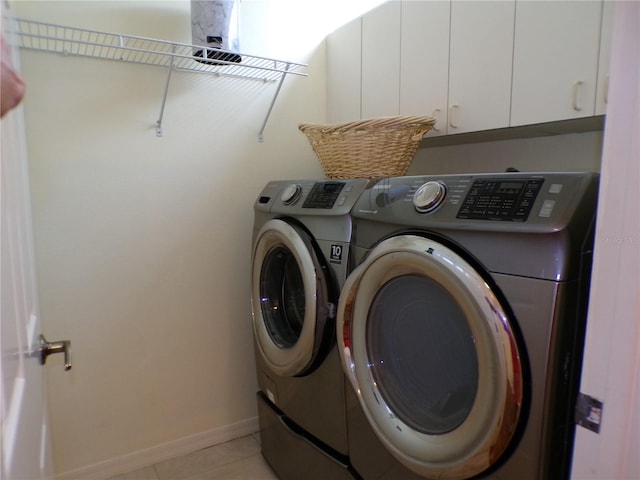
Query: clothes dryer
{"points": [[302, 232], [461, 329]]}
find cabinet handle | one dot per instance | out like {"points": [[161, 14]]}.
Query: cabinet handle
{"points": [[576, 91], [435, 114], [453, 121], [606, 90]]}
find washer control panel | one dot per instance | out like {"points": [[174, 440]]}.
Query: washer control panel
{"points": [[310, 197], [507, 199], [323, 195]]}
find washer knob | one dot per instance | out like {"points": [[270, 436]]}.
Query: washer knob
{"points": [[429, 196], [290, 194]]}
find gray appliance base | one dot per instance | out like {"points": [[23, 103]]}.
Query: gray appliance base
{"points": [[292, 454]]}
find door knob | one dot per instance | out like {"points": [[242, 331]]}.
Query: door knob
{"points": [[49, 348]]}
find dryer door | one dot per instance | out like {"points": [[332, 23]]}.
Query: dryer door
{"points": [[293, 299], [432, 357]]}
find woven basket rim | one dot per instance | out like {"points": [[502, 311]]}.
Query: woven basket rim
{"points": [[381, 122], [371, 148]]}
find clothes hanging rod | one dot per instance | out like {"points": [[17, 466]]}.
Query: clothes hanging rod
{"points": [[82, 42]]}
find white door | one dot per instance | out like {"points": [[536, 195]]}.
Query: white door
{"points": [[480, 61], [26, 445], [424, 61], [381, 61], [555, 60]]}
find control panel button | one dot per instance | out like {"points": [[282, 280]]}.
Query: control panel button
{"points": [[547, 208], [555, 188], [429, 196]]}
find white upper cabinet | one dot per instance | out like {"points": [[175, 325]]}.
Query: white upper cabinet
{"points": [[381, 61], [474, 65], [555, 63], [605, 57], [424, 61], [480, 65], [344, 60]]}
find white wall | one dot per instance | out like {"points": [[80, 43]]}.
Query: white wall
{"points": [[143, 243], [570, 152]]}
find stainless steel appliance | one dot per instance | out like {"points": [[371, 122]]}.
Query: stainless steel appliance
{"points": [[461, 327], [302, 231]]}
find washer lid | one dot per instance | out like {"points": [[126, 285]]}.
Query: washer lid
{"points": [[292, 299], [432, 357]]}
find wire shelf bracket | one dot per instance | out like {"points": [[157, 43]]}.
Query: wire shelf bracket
{"points": [[73, 41]]}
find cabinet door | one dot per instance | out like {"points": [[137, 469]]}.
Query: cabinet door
{"points": [[605, 57], [344, 58], [480, 65], [555, 60], [424, 60], [381, 61]]}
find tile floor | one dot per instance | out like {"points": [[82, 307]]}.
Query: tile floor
{"points": [[239, 459]]}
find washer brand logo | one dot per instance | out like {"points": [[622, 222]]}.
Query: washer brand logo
{"points": [[336, 254]]}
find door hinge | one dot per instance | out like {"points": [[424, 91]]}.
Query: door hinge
{"points": [[589, 412]]}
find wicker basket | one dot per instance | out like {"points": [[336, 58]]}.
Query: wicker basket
{"points": [[379, 147]]}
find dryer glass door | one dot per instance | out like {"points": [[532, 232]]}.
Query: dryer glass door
{"points": [[432, 379], [282, 297], [292, 299], [431, 354]]}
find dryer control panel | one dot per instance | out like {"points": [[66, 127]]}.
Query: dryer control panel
{"points": [[512, 201], [508, 199]]}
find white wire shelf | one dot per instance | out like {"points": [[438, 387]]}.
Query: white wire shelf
{"points": [[73, 41]]}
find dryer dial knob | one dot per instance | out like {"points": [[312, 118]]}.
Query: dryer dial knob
{"points": [[429, 196], [290, 194]]}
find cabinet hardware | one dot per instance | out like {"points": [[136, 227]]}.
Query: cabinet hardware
{"points": [[576, 91], [436, 114], [588, 412], [453, 120]]}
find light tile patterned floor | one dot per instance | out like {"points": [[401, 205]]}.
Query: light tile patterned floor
{"points": [[238, 459]]}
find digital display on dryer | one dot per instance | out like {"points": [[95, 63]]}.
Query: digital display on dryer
{"points": [[496, 199], [510, 187]]}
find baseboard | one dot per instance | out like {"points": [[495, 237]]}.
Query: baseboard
{"points": [[142, 458]]}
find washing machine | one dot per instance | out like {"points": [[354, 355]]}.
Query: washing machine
{"points": [[301, 239], [461, 327]]}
